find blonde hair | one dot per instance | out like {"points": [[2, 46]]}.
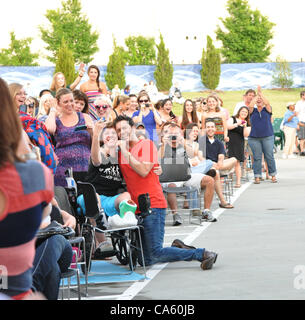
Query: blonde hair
{"points": [[14, 88], [54, 86], [41, 110], [118, 100], [104, 98], [213, 96]]}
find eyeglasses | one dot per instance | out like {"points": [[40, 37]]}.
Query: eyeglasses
{"points": [[31, 105], [105, 106], [143, 101]]}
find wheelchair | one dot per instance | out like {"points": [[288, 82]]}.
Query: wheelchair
{"points": [[127, 243]]}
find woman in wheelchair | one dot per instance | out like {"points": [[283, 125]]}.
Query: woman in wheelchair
{"points": [[105, 175]]}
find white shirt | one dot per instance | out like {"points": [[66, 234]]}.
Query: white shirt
{"points": [[300, 109]]}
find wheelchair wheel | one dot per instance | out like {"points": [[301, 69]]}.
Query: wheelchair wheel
{"points": [[119, 243]]}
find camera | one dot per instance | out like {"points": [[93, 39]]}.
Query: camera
{"points": [[147, 105], [173, 138]]}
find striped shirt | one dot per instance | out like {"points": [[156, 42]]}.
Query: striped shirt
{"points": [[27, 187]]}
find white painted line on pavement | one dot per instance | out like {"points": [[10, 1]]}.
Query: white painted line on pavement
{"points": [[137, 287]]}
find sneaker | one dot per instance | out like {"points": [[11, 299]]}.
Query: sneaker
{"points": [[208, 216], [177, 220], [292, 156], [284, 156], [302, 154]]}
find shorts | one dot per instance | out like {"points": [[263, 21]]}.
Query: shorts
{"points": [[301, 132], [194, 182], [108, 204]]}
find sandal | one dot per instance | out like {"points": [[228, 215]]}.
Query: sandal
{"points": [[257, 181], [226, 206], [238, 185], [273, 180]]}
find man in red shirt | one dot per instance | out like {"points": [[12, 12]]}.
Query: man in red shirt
{"points": [[137, 160]]}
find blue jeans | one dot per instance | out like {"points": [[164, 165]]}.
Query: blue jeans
{"points": [[52, 258], [154, 228], [260, 146]]}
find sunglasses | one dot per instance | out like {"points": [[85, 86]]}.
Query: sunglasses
{"points": [[143, 101], [105, 106], [31, 105]]}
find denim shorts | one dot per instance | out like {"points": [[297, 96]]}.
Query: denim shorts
{"points": [[108, 204]]}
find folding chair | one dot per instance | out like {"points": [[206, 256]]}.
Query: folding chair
{"points": [[93, 210], [279, 136]]}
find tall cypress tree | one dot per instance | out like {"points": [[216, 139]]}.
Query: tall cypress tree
{"points": [[116, 68], [164, 71], [65, 62], [211, 66]]}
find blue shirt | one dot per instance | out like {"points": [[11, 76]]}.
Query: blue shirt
{"points": [[293, 123], [210, 150], [261, 125], [150, 124]]}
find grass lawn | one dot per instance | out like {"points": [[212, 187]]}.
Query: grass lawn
{"points": [[278, 99]]}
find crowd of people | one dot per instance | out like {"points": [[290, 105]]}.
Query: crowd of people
{"points": [[118, 141]]}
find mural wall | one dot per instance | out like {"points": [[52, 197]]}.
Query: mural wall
{"points": [[233, 76]]}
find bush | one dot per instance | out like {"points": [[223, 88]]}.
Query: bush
{"points": [[282, 75], [211, 66], [65, 62], [116, 68], [164, 71]]}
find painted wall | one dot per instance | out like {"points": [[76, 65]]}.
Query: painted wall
{"points": [[233, 76]]}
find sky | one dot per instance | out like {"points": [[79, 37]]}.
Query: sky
{"points": [[176, 20]]}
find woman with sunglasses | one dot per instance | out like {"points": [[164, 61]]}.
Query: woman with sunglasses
{"points": [[93, 88], [72, 132], [44, 107], [31, 104], [103, 108], [148, 115]]}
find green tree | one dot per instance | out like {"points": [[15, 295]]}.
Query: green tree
{"points": [[211, 65], [65, 62], [71, 24], [116, 68], [141, 51], [248, 34], [164, 70], [282, 75], [18, 53]]}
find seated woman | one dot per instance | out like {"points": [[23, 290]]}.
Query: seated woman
{"points": [[105, 175], [26, 189], [201, 165]]}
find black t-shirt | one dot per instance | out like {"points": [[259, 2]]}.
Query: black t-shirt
{"points": [[211, 150], [107, 178]]}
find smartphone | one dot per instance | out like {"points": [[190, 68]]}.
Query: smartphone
{"points": [[81, 128]]}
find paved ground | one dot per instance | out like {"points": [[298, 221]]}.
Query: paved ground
{"points": [[260, 242]]}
